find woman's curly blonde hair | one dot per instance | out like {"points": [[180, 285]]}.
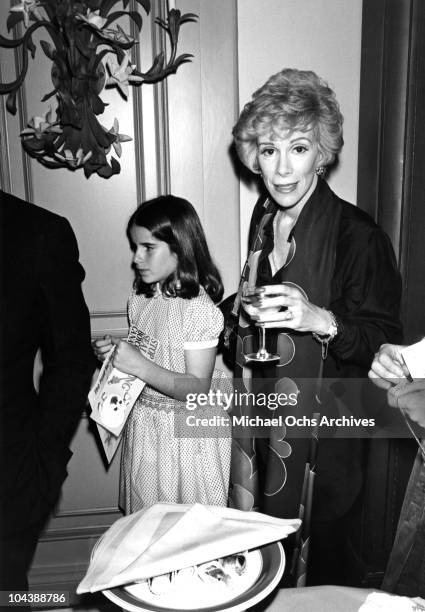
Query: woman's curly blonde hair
{"points": [[290, 100]]}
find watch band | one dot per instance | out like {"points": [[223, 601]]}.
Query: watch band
{"points": [[325, 339]]}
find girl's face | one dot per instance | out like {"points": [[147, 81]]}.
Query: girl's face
{"points": [[152, 257], [288, 165]]}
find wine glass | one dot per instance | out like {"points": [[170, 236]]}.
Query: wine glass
{"points": [[251, 300]]}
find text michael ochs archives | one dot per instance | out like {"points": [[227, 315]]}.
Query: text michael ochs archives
{"points": [[272, 401]]}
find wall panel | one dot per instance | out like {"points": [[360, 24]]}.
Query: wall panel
{"points": [[204, 96]]}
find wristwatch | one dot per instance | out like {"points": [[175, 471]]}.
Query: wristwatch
{"points": [[330, 334], [333, 327]]}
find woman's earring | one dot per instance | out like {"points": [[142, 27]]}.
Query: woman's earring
{"points": [[178, 284], [320, 171]]}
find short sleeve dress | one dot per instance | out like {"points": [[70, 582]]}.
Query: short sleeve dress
{"points": [[158, 464]]}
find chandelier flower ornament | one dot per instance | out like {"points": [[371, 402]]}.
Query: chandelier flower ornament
{"points": [[119, 138], [39, 127], [28, 7], [121, 75], [89, 52]]}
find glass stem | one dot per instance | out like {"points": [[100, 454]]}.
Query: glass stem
{"points": [[262, 332]]}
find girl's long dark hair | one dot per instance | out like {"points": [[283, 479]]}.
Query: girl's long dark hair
{"points": [[175, 221]]}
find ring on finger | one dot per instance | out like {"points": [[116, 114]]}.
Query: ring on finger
{"points": [[289, 314]]}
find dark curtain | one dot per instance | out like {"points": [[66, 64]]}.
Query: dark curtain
{"points": [[391, 188]]}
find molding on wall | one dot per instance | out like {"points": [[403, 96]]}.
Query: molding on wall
{"points": [[88, 512], [23, 118], [103, 314], [79, 532], [137, 93], [119, 332], [159, 43], [5, 176], [67, 573], [107, 323], [82, 532]]}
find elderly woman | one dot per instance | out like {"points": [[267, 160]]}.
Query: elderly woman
{"points": [[331, 274]]}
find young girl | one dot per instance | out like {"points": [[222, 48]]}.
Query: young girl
{"points": [[174, 329]]}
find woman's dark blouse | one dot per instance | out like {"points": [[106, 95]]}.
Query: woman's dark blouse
{"points": [[365, 288]]}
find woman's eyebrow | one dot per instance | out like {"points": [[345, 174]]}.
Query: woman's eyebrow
{"points": [[300, 138], [291, 141]]}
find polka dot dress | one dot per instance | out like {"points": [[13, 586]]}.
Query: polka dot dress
{"points": [[159, 462]]}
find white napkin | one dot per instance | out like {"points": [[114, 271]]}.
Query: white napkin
{"points": [[384, 602], [168, 537]]}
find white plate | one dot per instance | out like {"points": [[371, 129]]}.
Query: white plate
{"points": [[266, 568], [191, 591]]}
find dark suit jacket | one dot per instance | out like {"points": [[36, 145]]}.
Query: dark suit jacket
{"points": [[42, 306]]}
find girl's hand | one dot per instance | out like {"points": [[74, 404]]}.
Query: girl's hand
{"points": [[388, 366], [102, 346], [300, 314], [127, 358]]}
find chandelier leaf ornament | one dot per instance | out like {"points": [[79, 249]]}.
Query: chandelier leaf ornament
{"points": [[89, 51]]}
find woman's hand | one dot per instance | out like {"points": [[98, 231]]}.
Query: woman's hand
{"points": [[300, 314], [250, 298], [388, 366], [102, 346], [127, 358]]}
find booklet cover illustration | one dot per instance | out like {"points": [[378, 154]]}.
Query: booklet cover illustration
{"points": [[111, 399]]}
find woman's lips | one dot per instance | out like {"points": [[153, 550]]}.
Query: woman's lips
{"points": [[286, 188]]}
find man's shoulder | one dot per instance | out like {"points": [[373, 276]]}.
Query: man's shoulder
{"points": [[13, 209]]}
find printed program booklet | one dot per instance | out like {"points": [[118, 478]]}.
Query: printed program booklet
{"points": [[111, 399]]}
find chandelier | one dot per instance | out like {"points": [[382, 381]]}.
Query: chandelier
{"points": [[88, 51]]}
